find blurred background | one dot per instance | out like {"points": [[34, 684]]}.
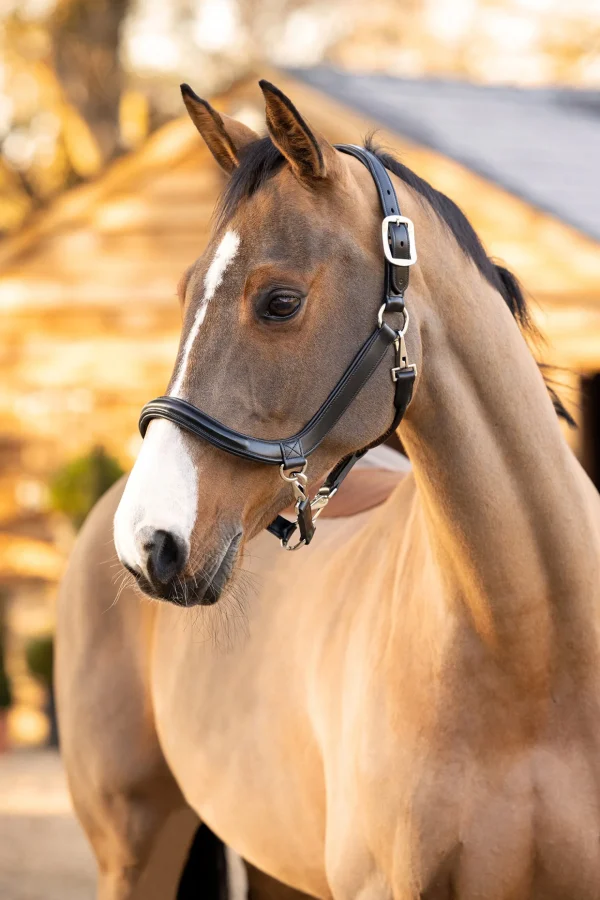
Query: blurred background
{"points": [[106, 195]]}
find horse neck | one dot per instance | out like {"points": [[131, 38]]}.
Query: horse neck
{"points": [[510, 515]]}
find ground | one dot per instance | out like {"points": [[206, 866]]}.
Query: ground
{"points": [[43, 852]]}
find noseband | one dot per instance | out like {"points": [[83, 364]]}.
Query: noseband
{"points": [[291, 453]]}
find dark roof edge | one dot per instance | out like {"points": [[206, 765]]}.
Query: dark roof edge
{"points": [[418, 134]]}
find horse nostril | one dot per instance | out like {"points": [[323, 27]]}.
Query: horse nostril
{"points": [[166, 556]]}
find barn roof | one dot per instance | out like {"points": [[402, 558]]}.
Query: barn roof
{"points": [[542, 145]]}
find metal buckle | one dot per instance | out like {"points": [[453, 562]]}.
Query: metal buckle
{"points": [[382, 312], [385, 229]]}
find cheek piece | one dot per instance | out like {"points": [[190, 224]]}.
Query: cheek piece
{"points": [[291, 453]]}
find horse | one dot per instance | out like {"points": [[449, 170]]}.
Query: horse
{"points": [[409, 706]]}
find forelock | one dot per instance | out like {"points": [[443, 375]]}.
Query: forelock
{"points": [[259, 161]]}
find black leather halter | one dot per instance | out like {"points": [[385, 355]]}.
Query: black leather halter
{"points": [[291, 453]]}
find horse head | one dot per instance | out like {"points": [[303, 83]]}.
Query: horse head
{"points": [[274, 311]]}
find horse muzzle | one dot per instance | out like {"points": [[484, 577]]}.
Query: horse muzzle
{"points": [[166, 573]]}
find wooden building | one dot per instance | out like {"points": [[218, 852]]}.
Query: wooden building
{"points": [[90, 317]]}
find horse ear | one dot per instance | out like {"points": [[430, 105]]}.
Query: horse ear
{"points": [[224, 136], [309, 155]]}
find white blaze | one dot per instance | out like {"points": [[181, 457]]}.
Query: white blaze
{"points": [[224, 256], [162, 490], [161, 493]]}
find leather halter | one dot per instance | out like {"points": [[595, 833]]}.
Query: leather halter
{"points": [[291, 453]]}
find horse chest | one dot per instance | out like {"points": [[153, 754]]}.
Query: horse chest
{"points": [[453, 815], [245, 760], [520, 829]]}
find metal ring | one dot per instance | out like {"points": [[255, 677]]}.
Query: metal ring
{"points": [[381, 314], [294, 476], [404, 328]]}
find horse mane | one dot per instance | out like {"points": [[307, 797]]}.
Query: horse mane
{"points": [[261, 159]]}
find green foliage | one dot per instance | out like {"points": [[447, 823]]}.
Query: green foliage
{"points": [[39, 654], [80, 483]]}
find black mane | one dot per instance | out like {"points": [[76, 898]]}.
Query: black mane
{"points": [[261, 160]]}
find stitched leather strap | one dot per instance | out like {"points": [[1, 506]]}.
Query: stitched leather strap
{"points": [[396, 277], [290, 452], [282, 528]]}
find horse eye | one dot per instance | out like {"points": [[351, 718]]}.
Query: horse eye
{"points": [[282, 305]]}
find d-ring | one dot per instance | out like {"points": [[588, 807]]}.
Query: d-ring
{"points": [[381, 314], [298, 480], [403, 330], [294, 476]]}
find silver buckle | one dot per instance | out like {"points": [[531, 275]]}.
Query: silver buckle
{"points": [[385, 229]]}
